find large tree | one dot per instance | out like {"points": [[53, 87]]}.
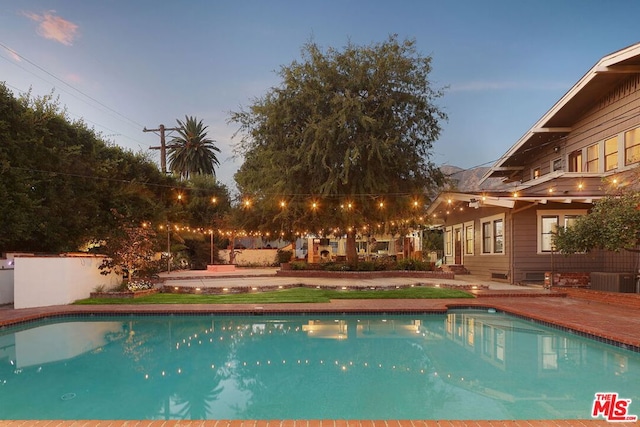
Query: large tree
{"points": [[192, 152], [613, 223], [344, 140], [60, 180]]}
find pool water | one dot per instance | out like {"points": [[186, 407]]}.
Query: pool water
{"points": [[462, 365]]}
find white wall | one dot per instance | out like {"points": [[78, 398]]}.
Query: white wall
{"points": [[6, 285], [53, 280]]}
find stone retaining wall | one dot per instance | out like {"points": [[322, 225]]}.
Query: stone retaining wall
{"points": [[366, 274]]}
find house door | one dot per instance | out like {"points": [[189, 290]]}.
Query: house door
{"points": [[457, 246]]}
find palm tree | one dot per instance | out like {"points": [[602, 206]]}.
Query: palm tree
{"points": [[191, 152]]}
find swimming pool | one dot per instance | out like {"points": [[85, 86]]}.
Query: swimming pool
{"points": [[467, 364]]}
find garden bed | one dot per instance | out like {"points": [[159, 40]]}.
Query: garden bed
{"points": [[123, 294]]}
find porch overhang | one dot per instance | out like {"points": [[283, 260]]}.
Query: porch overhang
{"points": [[450, 203]]}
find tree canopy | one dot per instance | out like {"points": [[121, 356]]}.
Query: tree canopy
{"points": [[613, 224], [61, 181], [348, 130], [192, 152]]}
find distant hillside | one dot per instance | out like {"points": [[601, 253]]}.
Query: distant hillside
{"points": [[468, 180]]}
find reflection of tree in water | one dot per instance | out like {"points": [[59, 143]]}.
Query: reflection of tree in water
{"points": [[175, 374], [197, 393]]}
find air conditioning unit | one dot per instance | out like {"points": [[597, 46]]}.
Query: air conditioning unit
{"points": [[613, 282]]}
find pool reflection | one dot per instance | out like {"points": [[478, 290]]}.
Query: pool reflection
{"points": [[464, 365]]}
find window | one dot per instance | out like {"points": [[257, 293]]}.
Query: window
{"points": [[575, 161], [556, 165], [447, 241], [486, 237], [468, 239], [548, 223], [536, 173], [610, 154], [592, 158], [493, 235], [632, 146], [498, 238]]}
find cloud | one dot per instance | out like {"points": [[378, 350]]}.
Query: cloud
{"points": [[53, 27], [14, 55], [477, 86]]}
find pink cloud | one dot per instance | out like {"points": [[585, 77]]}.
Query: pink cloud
{"points": [[75, 78], [14, 55], [53, 27]]}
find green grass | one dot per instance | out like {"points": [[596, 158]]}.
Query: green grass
{"points": [[299, 295]]}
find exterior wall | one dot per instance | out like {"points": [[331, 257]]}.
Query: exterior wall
{"points": [[6, 286], [247, 257], [612, 115], [528, 262], [478, 263], [53, 280]]}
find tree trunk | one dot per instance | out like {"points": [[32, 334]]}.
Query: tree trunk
{"points": [[352, 254]]}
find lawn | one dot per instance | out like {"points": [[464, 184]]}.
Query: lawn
{"points": [[297, 295]]}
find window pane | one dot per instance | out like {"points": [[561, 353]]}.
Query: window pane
{"points": [[498, 237], [611, 153], [549, 225], [592, 158], [575, 161], [469, 240], [632, 146], [486, 237], [569, 220]]}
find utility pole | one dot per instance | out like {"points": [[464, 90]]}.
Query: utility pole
{"points": [[163, 145]]}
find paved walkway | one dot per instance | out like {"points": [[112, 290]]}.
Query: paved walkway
{"points": [[249, 277]]}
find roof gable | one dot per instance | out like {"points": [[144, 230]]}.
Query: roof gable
{"points": [[603, 77]]}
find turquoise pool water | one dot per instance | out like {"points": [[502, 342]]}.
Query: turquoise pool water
{"points": [[463, 365]]}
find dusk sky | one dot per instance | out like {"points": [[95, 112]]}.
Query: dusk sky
{"points": [[123, 65]]}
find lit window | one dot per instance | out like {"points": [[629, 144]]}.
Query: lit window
{"points": [[468, 239], [611, 154], [592, 158], [447, 242], [549, 226], [575, 161], [632, 146], [536, 173]]}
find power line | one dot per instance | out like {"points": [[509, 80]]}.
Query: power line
{"points": [[69, 85]]}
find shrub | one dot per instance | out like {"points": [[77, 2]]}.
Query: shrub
{"points": [[336, 266], [299, 265], [283, 256], [413, 265]]}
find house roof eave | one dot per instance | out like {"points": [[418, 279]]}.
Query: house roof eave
{"points": [[557, 122]]}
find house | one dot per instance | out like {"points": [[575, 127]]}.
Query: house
{"points": [[582, 148]]}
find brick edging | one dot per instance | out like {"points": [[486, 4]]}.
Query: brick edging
{"points": [[624, 299]]}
